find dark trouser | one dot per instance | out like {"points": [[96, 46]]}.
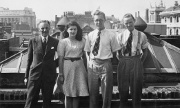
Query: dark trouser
{"points": [[33, 93], [130, 74], [101, 70]]}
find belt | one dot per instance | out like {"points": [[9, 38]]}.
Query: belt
{"points": [[100, 61], [73, 59]]}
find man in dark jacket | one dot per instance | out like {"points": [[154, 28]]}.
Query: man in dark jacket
{"points": [[41, 67]]}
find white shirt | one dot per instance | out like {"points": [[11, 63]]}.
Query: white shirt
{"points": [[123, 37], [42, 37], [108, 44]]}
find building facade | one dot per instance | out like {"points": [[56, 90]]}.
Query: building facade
{"points": [[154, 12], [87, 19], [26, 16], [171, 17]]}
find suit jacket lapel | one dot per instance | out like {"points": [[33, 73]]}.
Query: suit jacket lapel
{"points": [[39, 44]]}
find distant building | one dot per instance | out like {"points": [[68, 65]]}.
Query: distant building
{"points": [[5, 30], [86, 30], [154, 12], [26, 17], [82, 19], [22, 34], [153, 19], [171, 17], [87, 19], [4, 49]]}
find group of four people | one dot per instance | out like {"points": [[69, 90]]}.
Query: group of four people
{"points": [[99, 47]]}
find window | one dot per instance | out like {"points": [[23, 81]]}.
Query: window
{"points": [[158, 18], [171, 19], [177, 31], [177, 18], [165, 19], [170, 32]]}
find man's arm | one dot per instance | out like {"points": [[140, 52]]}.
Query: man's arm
{"points": [[87, 58], [144, 47], [29, 61], [84, 59], [145, 52], [115, 47]]}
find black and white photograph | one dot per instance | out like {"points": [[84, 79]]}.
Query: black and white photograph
{"points": [[90, 54]]}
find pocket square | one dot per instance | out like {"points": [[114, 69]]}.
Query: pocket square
{"points": [[52, 47]]}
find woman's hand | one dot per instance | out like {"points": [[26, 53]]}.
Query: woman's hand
{"points": [[58, 85], [61, 79]]}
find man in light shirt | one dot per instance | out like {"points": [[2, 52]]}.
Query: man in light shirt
{"points": [[133, 52], [100, 46]]}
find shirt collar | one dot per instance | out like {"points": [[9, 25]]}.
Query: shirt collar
{"points": [[133, 32], [42, 37], [101, 30]]}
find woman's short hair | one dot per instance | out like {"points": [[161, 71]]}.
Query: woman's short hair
{"points": [[79, 34], [98, 12]]}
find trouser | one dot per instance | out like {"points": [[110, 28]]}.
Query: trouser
{"points": [[33, 93], [130, 75], [100, 71]]}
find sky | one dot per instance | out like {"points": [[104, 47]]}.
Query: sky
{"points": [[47, 9]]}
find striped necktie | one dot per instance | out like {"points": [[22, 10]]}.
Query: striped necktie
{"points": [[129, 44], [96, 45]]}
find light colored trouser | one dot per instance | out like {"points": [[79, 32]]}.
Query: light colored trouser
{"points": [[130, 74], [100, 70]]}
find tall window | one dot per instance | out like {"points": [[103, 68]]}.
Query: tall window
{"points": [[158, 18], [177, 31], [177, 18], [171, 19], [165, 19], [170, 32]]}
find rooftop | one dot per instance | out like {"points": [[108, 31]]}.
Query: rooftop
{"points": [[171, 10]]}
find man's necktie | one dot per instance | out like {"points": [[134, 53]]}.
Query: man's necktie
{"points": [[129, 44], [96, 45], [44, 44]]}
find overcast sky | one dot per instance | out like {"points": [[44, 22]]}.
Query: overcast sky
{"points": [[47, 9]]}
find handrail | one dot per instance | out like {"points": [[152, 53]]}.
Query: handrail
{"points": [[19, 63], [13, 56]]}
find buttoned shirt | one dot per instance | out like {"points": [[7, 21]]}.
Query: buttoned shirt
{"points": [[108, 44], [123, 37]]}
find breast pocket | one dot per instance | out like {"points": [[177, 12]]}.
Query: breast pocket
{"points": [[51, 52]]}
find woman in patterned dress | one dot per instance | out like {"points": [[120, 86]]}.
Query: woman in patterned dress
{"points": [[71, 66]]}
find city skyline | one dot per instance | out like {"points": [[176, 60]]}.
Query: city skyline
{"points": [[48, 9]]}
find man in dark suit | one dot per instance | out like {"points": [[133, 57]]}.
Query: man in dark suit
{"points": [[41, 67]]}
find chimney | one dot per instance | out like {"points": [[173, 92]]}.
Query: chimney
{"points": [[176, 3], [135, 14], [147, 15], [66, 14]]}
